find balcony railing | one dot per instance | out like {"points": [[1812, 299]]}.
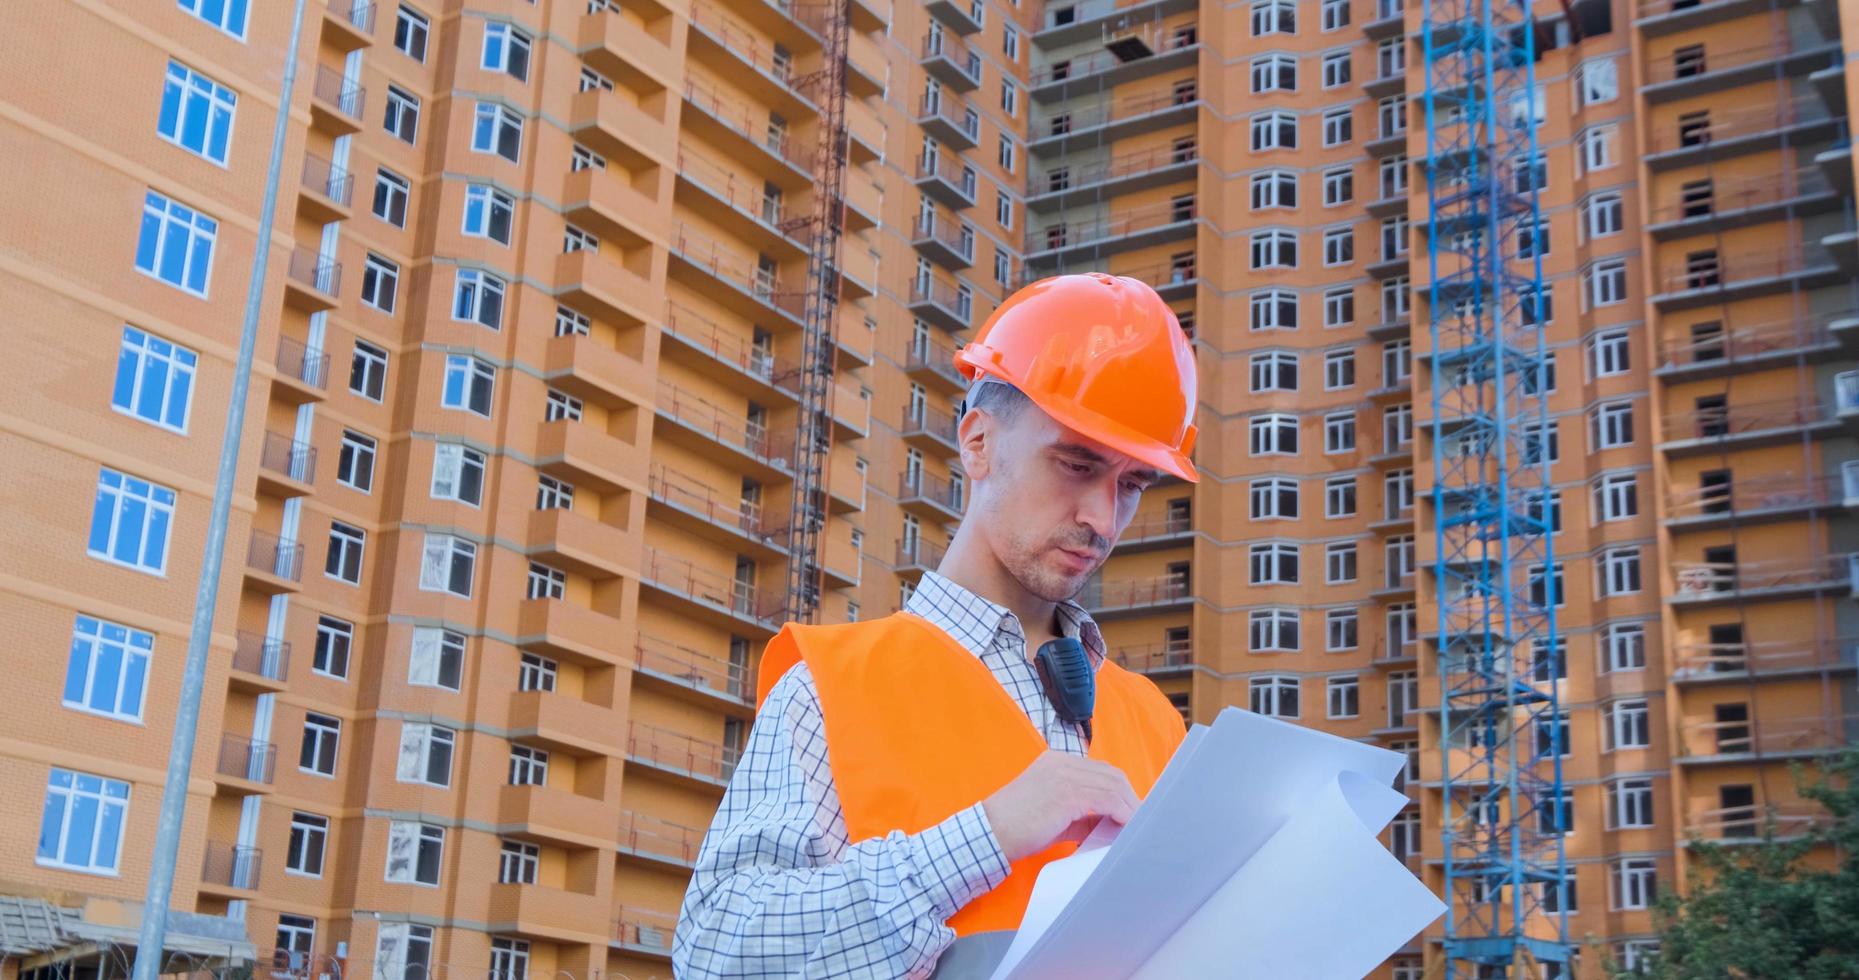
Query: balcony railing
{"points": [[1156, 527], [645, 928], [327, 179], [934, 228], [707, 254], [1710, 271], [359, 15], [1780, 491], [744, 196], [1133, 593], [1702, 578], [1159, 40], [333, 89], [231, 866], [714, 589], [1116, 168], [1698, 661], [668, 749], [952, 298], [749, 123], [1709, 60], [953, 110], [948, 170], [307, 267], [1130, 107], [1734, 420], [1154, 658], [920, 554], [275, 556], [930, 422], [703, 334], [950, 47], [927, 355], [1788, 736], [288, 458], [253, 654], [698, 670], [661, 839], [1752, 340], [1116, 225], [1749, 822], [1749, 192], [305, 364], [745, 45], [1730, 124], [688, 494], [737, 433], [936, 490], [244, 758]]}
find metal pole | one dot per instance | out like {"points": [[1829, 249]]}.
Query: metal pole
{"points": [[153, 939]]}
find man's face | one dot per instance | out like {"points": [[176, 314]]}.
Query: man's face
{"points": [[1052, 502]]}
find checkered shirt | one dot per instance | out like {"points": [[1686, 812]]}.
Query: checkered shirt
{"points": [[779, 891]]}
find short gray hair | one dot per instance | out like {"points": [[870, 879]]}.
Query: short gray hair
{"points": [[996, 397]]}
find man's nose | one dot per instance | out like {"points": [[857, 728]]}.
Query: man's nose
{"points": [[1098, 508]]}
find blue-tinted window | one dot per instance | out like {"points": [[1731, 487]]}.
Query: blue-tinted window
{"points": [[176, 243], [196, 112], [82, 828], [227, 15], [108, 670], [154, 379], [131, 521]]}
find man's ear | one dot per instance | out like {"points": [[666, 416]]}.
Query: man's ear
{"points": [[975, 437]]}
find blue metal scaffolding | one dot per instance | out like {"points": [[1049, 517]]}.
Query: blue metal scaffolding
{"points": [[1501, 731]]}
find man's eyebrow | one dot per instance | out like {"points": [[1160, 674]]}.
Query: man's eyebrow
{"points": [[1081, 451]]}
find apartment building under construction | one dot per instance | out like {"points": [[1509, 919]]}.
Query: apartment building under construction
{"points": [[590, 351]]}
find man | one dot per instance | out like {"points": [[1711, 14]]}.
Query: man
{"points": [[907, 777]]}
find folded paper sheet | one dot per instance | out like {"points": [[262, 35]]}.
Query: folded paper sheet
{"points": [[1255, 855]]}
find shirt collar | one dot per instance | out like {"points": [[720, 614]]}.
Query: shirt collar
{"points": [[974, 622]]}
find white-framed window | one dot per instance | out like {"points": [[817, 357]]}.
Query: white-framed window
{"points": [[1545, 585], [1275, 130], [1274, 189], [488, 213], [579, 240], [229, 16], [1273, 435], [1607, 282], [335, 638], [554, 494], [1274, 248], [1610, 425], [391, 192], [1549, 659], [1603, 215], [1274, 370], [309, 840], [1339, 562], [1532, 241], [425, 754], [536, 673], [1274, 695], [509, 959], [1616, 497], [131, 522], [1627, 724], [1635, 883], [1339, 186], [403, 951], [1334, 15], [517, 865], [570, 322], [1274, 309], [477, 297], [1344, 695], [1597, 148], [592, 81], [196, 113], [1404, 843], [1341, 629], [582, 158], [506, 50], [368, 371], [1623, 647], [107, 673], [1339, 497], [497, 129], [176, 244], [1339, 307], [1403, 623], [1629, 803], [528, 766], [1274, 17], [82, 823], [1274, 73], [1273, 563], [322, 736], [1273, 498], [1397, 427], [1336, 69], [1403, 697], [402, 117], [414, 853], [1273, 630], [1542, 441], [1620, 571], [436, 658], [1528, 106], [1396, 295], [1010, 43], [347, 546], [1339, 432], [1339, 369], [154, 380], [1392, 174], [355, 463], [447, 564], [1597, 82], [1397, 493], [545, 582], [1007, 154], [468, 384], [1338, 126], [457, 473], [1390, 57], [1391, 116], [1339, 246], [1003, 210], [560, 406], [1395, 233], [1002, 268], [1397, 363], [380, 282], [1398, 560], [411, 30], [1608, 352]]}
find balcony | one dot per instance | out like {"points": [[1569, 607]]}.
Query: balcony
{"points": [[1750, 347], [944, 242], [587, 456], [934, 364], [607, 203], [1155, 659], [286, 467], [1739, 663], [348, 25], [694, 506], [960, 16], [1740, 203], [1707, 742], [698, 421], [949, 60], [871, 15], [1656, 18], [326, 191], [259, 665], [625, 51], [865, 135], [1719, 429], [742, 132], [714, 596], [1115, 175], [1757, 500], [619, 127], [1160, 531], [696, 334], [1090, 23], [1389, 21], [1129, 55], [540, 912], [335, 104], [950, 119], [1143, 227], [302, 372], [916, 556], [693, 675], [868, 70], [851, 412], [595, 371], [312, 283], [563, 723], [644, 932], [1713, 71], [1716, 135], [560, 629], [929, 496], [748, 288], [231, 871], [1122, 118], [273, 565], [742, 203], [1701, 583], [858, 279], [1146, 595], [649, 839], [947, 181], [604, 288], [1173, 280], [246, 767], [707, 764], [845, 488], [580, 545], [546, 815], [1730, 825], [931, 430], [950, 306]]}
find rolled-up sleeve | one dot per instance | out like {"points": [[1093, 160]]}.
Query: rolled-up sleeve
{"points": [[778, 891]]}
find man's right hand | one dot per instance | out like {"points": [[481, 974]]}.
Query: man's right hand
{"points": [[1059, 797]]}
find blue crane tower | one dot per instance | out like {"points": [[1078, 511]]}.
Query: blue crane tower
{"points": [[1501, 730]]}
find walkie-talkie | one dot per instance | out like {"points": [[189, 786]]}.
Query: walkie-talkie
{"points": [[1070, 685]]}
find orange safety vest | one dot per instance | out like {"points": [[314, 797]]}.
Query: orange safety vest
{"points": [[918, 729]]}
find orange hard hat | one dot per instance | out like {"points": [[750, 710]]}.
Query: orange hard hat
{"points": [[1102, 355]]}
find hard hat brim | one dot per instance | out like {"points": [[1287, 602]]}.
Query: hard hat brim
{"points": [[1113, 434]]}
